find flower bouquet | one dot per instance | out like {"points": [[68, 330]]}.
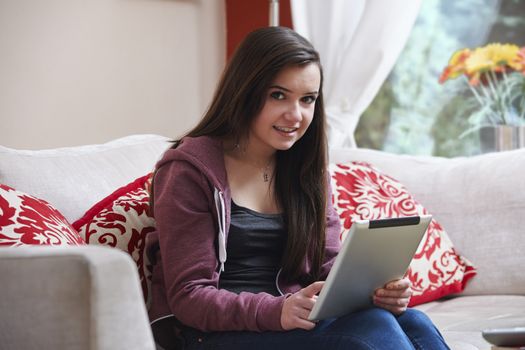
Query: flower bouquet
{"points": [[495, 74]]}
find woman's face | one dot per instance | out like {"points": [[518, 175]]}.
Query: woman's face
{"points": [[288, 109]]}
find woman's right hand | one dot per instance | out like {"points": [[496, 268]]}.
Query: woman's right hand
{"points": [[297, 307]]}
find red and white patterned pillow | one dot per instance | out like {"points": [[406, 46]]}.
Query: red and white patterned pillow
{"points": [[27, 220], [363, 192], [122, 220]]}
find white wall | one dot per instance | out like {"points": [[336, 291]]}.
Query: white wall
{"points": [[77, 72]]}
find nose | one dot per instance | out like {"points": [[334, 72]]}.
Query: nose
{"points": [[294, 112]]}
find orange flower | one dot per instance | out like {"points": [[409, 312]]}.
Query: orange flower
{"points": [[496, 77], [520, 61], [456, 65], [493, 57]]}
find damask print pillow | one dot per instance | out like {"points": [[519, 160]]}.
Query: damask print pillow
{"points": [[122, 220], [361, 192], [27, 220]]}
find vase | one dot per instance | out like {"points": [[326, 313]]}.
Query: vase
{"points": [[501, 138], [521, 136]]}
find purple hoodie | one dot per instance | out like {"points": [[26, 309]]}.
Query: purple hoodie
{"points": [[192, 213]]}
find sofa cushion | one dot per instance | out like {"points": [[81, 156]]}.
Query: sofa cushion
{"points": [[480, 200], [363, 192], [27, 220], [122, 220], [73, 179]]}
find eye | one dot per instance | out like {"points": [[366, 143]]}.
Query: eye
{"points": [[277, 95], [309, 99]]}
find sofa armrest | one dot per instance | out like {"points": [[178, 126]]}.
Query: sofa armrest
{"points": [[71, 298]]}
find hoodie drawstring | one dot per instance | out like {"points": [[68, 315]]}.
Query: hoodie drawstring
{"points": [[221, 216]]}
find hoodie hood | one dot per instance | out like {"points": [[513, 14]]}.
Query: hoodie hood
{"points": [[205, 153]]}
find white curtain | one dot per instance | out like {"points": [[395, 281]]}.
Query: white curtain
{"points": [[359, 42]]}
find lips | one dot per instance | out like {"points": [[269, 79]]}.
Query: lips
{"points": [[286, 130]]}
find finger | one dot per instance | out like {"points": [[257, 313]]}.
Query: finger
{"points": [[301, 302], [306, 303], [394, 302], [403, 283], [406, 293], [303, 314], [399, 283], [312, 289], [303, 323], [396, 310]]}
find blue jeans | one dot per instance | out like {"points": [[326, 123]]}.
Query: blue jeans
{"points": [[369, 329]]}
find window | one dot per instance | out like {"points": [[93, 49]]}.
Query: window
{"points": [[414, 114]]}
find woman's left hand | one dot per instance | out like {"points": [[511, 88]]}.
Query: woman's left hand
{"points": [[394, 296]]}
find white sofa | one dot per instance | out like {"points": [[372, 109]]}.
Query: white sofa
{"points": [[89, 297]]}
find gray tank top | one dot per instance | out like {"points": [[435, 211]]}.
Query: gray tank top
{"points": [[255, 247]]}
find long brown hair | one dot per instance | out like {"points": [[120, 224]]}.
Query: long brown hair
{"points": [[300, 172]]}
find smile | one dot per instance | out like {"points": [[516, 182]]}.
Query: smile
{"points": [[286, 130]]}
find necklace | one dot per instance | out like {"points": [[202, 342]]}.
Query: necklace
{"points": [[266, 176], [265, 169]]}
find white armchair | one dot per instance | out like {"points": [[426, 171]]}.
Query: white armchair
{"points": [[80, 298], [65, 297]]}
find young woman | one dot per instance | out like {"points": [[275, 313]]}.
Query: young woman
{"points": [[246, 232]]}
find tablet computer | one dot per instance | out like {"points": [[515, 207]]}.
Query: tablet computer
{"points": [[374, 252]]}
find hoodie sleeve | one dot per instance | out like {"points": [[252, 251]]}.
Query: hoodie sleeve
{"points": [[333, 232], [187, 226]]}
